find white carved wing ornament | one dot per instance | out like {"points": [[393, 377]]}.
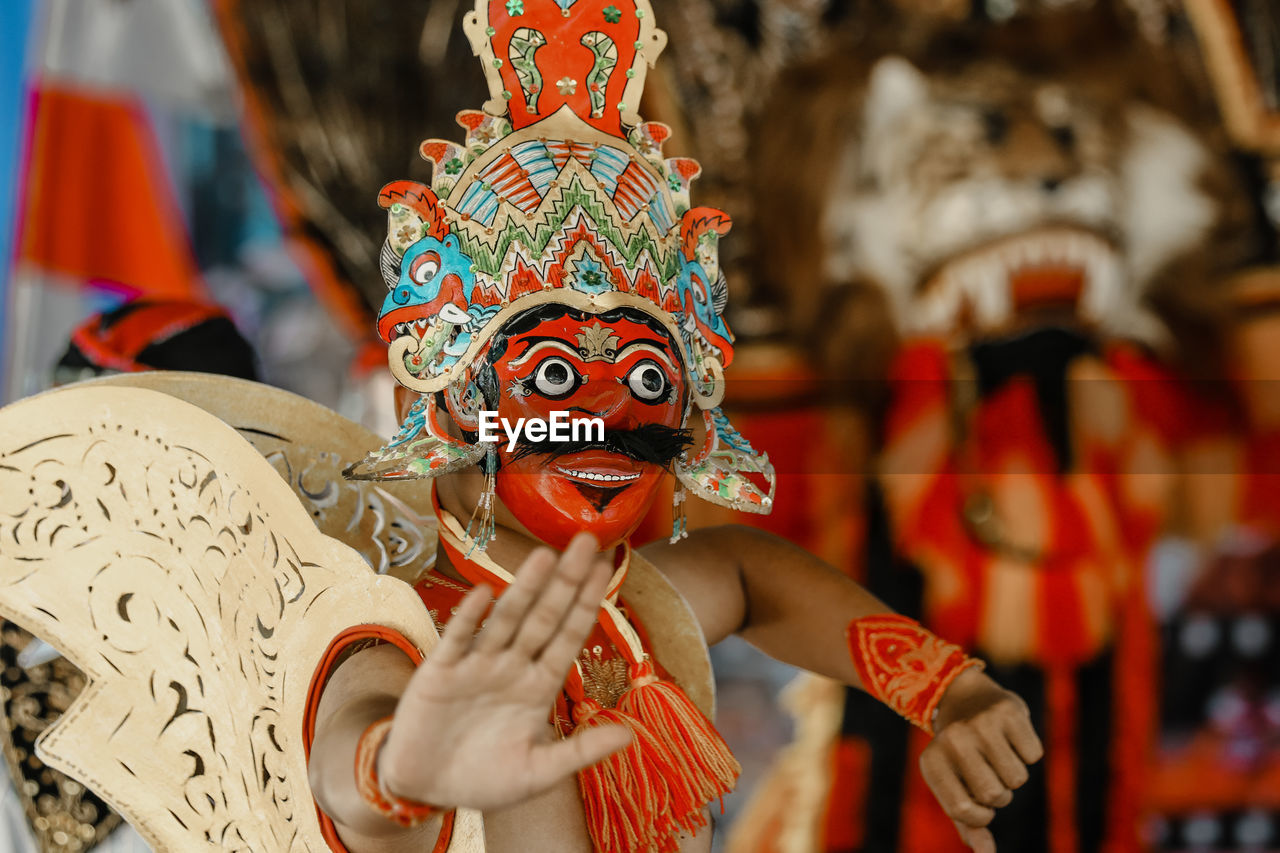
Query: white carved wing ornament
{"points": [[391, 524], [164, 556]]}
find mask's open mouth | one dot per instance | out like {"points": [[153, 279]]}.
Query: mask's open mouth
{"points": [[418, 320], [1052, 286], [1070, 271], [599, 476], [598, 468]]}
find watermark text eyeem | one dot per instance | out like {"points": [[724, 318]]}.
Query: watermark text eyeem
{"points": [[561, 426]]}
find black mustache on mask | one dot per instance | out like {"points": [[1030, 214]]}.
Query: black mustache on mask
{"points": [[653, 443]]}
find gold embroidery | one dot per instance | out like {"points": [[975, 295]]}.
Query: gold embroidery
{"points": [[438, 579], [63, 815], [604, 680]]}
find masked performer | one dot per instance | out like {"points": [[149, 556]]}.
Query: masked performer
{"points": [[244, 663]]}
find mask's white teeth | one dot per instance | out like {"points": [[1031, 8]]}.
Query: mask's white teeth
{"points": [[1059, 252], [936, 312], [1017, 255], [453, 314], [599, 478], [989, 293], [1104, 288], [1042, 249], [984, 280]]}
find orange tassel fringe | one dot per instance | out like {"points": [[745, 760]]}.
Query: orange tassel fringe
{"points": [[702, 758], [640, 799], [626, 796]]}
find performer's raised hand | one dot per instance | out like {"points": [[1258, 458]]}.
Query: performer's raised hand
{"points": [[471, 728], [979, 755]]}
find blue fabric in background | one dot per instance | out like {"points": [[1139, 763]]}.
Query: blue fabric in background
{"points": [[15, 26]]}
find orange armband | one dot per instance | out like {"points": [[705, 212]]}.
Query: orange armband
{"points": [[406, 813], [904, 666]]}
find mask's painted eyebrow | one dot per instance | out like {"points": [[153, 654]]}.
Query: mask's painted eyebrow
{"points": [[650, 345], [538, 344], [653, 342], [657, 347]]}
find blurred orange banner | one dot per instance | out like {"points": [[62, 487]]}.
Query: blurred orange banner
{"points": [[98, 206]]}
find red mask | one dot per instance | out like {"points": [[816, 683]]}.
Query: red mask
{"points": [[624, 372]]}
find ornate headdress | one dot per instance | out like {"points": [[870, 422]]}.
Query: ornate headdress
{"points": [[558, 194]]}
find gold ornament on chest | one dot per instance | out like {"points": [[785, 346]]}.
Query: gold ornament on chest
{"points": [[604, 680]]}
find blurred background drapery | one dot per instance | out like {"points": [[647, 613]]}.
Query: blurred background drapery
{"points": [[1006, 299]]}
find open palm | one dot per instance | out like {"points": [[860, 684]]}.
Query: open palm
{"points": [[471, 729]]}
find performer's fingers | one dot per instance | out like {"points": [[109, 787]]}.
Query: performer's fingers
{"points": [[515, 602], [561, 759], [978, 775], [962, 742], [1001, 756], [978, 840], [459, 634], [943, 779], [1022, 735], [564, 647], [556, 599]]}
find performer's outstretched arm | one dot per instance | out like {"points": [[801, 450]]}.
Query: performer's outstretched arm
{"points": [[469, 726], [802, 611]]}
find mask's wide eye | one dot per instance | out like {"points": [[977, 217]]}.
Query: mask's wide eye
{"points": [[648, 382], [699, 290], [425, 267], [555, 378]]}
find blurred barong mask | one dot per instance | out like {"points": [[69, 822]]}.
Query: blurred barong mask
{"points": [[980, 198], [556, 263]]}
